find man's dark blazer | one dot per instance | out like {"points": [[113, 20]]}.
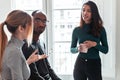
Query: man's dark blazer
{"points": [[34, 72], [41, 70]]}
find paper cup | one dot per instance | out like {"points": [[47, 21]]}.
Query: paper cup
{"points": [[83, 48]]}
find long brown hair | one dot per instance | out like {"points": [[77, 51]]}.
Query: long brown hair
{"points": [[96, 22], [13, 20]]}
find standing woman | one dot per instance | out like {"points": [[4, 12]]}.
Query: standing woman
{"points": [[92, 39], [13, 65]]}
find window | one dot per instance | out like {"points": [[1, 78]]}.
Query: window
{"points": [[27, 5], [66, 18]]}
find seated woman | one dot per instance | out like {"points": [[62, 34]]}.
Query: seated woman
{"points": [[13, 65]]}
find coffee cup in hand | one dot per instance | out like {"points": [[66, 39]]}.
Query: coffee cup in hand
{"points": [[83, 48]]}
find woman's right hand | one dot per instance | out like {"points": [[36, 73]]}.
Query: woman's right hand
{"points": [[82, 48], [35, 57]]}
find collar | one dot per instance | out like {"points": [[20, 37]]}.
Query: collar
{"points": [[17, 42]]}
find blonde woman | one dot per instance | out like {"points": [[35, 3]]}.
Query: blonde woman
{"points": [[13, 65]]}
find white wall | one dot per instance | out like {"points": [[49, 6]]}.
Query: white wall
{"points": [[107, 12], [110, 25], [5, 7], [117, 40]]}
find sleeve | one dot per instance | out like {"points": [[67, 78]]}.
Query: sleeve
{"points": [[103, 46], [27, 51], [74, 48], [15, 65], [34, 73]]}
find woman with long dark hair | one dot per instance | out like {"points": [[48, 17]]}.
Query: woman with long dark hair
{"points": [[92, 39]]}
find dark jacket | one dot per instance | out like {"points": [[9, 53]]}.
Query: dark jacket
{"points": [[34, 72], [41, 70]]}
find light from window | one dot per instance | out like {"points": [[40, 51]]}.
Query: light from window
{"points": [[66, 18]]}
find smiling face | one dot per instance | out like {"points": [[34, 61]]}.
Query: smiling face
{"points": [[86, 13], [39, 23]]}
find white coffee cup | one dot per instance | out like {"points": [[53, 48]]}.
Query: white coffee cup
{"points": [[83, 48]]}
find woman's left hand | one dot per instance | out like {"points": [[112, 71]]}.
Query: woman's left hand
{"points": [[90, 44]]}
